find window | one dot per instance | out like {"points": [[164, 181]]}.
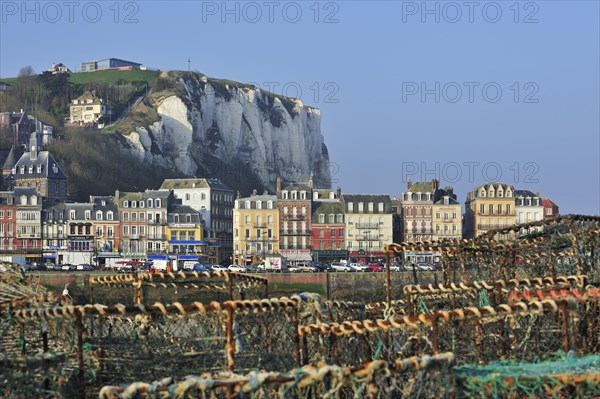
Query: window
{"points": [[331, 218], [142, 216], [133, 204], [321, 233], [72, 214], [109, 215], [99, 215], [88, 215], [340, 218], [491, 208], [482, 209], [183, 235], [149, 203], [269, 204], [321, 218], [187, 196], [125, 230], [142, 230], [499, 209], [248, 219], [157, 203], [176, 218], [247, 234], [350, 207], [270, 219], [370, 207], [333, 232], [360, 207], [437, 215], [508, 209], [125, 204]]}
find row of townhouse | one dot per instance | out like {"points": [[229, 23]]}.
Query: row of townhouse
{"points": [[427, 212], [152, 224], [302, 223]]}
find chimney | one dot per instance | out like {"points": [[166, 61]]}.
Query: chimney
{"points": [[408, 184], [537, 193], [434, 184], [254, 193], [338, 192], [310, 182], [278, 184]]}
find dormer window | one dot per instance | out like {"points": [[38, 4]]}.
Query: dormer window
{"points": [[141, 204], [269, 204], [157, 202], [39, 169], [109, 215], [149, 203], [284, 194], [360, 207], [88, 215], [370, 207], [258, 204], [133, 204], [380, 207], [482, 193], [125, 204], [321, 218], [54, 168], [350, 207], [33, 200], [247, 205], [30, 170], [99, 215], [294, 194], [72, 214], [23, 200], [103, 203]]}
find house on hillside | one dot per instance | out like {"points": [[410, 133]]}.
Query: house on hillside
{"points": [[87, 108], [20, 125], [59, 68]]}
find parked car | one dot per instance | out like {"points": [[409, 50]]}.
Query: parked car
{"points": [[84, 267], [396, 267], [374, 267], [323, 267], [237, 268], [340, 267], [293, 269], [199, 267], [425, 266], [360, 267], [50, 266], [219, 268], [307, 267], [67, 267]]}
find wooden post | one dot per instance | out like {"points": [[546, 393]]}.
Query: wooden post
{"points": [[388, 288], [230, 345], [296, 335], [80, 375]]}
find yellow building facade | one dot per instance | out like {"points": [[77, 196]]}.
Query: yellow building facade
{"points": [[255, 228], [489, 207], [446, 219]]}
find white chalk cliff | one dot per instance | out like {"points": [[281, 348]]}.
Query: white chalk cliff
{"points": [[234, 133]]}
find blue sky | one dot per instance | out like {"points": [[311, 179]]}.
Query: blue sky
{"points": [[511, 88]]}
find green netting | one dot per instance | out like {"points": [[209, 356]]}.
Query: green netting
{"points": [[565, 376]]}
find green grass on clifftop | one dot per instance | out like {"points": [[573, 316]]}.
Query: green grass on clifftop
{"points": [[113, 77]]}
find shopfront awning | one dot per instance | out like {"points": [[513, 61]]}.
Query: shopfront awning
{"points": [[296, 255]]}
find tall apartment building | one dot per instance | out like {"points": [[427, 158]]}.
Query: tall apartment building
{"points": [[488, 207], [295, 203], [256, 231], [328, 226], [214, 201], [369, 225]]}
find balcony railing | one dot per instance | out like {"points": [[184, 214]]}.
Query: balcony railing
{"points": [[294, 217], [367, 225]]}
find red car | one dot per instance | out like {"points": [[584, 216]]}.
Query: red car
{"points": [[374, 267]]}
